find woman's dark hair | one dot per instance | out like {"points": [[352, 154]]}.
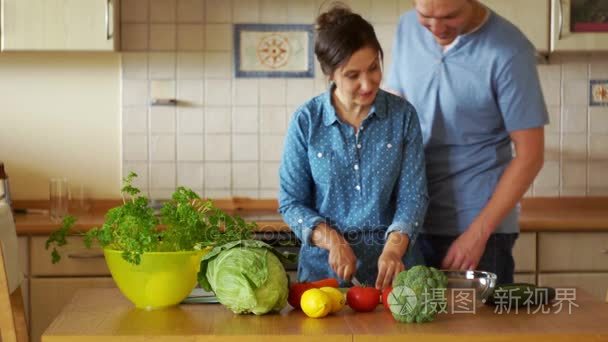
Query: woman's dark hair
{"points": [[339, 34]]}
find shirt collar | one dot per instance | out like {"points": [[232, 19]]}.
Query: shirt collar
{"points": [[378, 108]]}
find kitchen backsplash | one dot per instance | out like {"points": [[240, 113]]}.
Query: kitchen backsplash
{"points": [[225, 136]]}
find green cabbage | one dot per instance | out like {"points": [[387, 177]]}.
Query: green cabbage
{"points": [[247, 276]]}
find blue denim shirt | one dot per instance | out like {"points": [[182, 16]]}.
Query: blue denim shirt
{"points": [[364, 185]]}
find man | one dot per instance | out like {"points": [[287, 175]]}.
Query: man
{"points": [[471, 76]]}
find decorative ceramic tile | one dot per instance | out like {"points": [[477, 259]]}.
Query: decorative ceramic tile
{"points": [[598, 92], [273, 50]]}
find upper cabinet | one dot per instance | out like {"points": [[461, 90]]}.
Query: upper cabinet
{"points": [[59, 25], [530, 16], [579, 25]]}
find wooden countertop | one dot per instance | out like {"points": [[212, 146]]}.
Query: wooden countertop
{"points": [[105, 315], [537, 214]]}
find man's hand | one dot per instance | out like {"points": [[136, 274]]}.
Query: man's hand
{"points": [[466, 251]]}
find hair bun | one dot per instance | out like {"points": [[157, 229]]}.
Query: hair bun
{"points": [[336, 15]]}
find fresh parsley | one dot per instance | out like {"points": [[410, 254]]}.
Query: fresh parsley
{"points": [[189, 222]]}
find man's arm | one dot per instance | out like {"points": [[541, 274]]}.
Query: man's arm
{"points": [[467, 250]]}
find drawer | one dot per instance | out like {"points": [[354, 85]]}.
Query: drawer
{"points": [[524, 252], [50, 295], [573, 251], [76, 259], [594, 283]]}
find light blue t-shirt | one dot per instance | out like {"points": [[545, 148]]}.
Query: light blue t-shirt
{"points": [[468, 100], [364, 185]]}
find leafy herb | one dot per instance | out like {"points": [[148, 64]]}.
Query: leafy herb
{"points": [[58, 238], [132, 228]]}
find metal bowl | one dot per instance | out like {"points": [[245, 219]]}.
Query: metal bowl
{"points": [[481, 283]]}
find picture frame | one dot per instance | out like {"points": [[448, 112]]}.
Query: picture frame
{"points": [[598, 93], [273, 50]]}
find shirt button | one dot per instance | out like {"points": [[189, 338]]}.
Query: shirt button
{"points": [[358, 188], [389, 145], [356, 167], [300, 221], [320, 155], [358, 145], [361, 128], [416, 224]]}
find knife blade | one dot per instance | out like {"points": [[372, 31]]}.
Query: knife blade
{"points": [[355, 281]]}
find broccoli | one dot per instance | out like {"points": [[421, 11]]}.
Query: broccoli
{"points": [[413, 299]]}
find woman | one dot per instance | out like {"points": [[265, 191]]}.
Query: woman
{"points": [[352, 180]]}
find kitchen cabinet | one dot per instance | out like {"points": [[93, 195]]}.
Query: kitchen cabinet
{"points": [[563, 259], [53, 285], [568, 259], [566, 36], [524, 254], [594, 283], [530, 16], [59, 25]]}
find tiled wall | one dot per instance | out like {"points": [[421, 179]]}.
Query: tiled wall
{"points": [[576, 141], [225, 136]]}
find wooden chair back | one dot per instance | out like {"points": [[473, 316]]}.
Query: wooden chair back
{"points": [[13, 327]]}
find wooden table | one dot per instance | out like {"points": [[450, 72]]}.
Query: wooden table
{"points": [[105, 315]]}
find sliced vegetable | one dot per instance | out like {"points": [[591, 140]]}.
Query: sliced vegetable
{"points": [[521, 294]]}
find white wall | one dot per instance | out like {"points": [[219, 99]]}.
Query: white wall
{"points": [[60, 116]]}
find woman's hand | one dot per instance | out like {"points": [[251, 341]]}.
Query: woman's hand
{"points": [[341, 259], [389, 265], [390, 261]]}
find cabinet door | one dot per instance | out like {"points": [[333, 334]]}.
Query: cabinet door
{"points": [[530, 16], [594, 283], [529, 278], [49, 295], [562, 36], [573, 252], [58, 25], [524, 252]]}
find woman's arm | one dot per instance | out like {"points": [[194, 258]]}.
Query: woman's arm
{"points": [[412, 202], [296, 202], [466, 251], [295, 182]]}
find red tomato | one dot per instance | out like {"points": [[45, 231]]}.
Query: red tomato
{"points": [[329, 282], [295, 293], [363, 299], [385, 293], [297, 289]]}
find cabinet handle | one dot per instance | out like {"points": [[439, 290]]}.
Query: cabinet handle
{"points": [[109, 35], [1, 24], [605, 251], [85, 255], [561, 19]]}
